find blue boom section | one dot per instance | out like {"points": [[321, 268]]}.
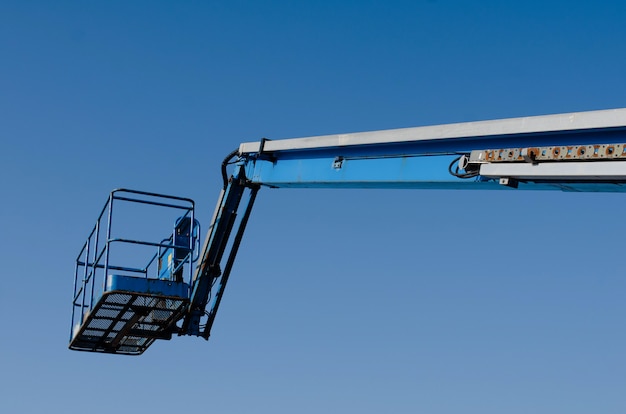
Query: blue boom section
{"points": [[416, 172], [420, 164]]}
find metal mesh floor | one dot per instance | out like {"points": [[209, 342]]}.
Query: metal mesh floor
{"points": [[127, 322]]}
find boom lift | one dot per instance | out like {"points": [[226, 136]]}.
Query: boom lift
{"points": [[124, 309]]}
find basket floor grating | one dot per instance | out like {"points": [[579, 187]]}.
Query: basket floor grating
{"points": [[126, 322]]}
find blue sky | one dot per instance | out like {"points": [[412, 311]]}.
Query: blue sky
{"points": [[340, 301]]}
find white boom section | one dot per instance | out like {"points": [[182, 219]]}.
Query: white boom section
{"points": [[580, 171], [575, 121]]}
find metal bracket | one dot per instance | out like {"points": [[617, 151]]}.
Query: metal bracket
{"points": [[509, 182], [338, 163], [529, 154], [262, 155]]}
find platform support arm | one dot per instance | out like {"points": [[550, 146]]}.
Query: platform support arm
{"points": [[221, 284], [210, 278]]}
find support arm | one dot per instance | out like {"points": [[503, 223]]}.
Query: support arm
{"points": [[210, 279]]}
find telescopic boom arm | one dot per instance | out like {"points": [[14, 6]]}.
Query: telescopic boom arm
{"points": [[583, 151]]}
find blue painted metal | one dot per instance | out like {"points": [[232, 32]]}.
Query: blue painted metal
{"points": [[156, 287], [210, 278], [386, 172], [184, 238], [407, 172]]}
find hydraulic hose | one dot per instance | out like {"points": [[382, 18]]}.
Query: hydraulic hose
{"points": [[229, 157]]}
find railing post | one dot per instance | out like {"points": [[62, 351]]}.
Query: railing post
{"points": [[74, 300], [107, 246], [85, 277], [95, 255]]}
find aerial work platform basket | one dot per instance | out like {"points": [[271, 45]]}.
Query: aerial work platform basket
{"points": [[129, 292]]}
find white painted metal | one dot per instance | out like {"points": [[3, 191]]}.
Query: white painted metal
{"points": [[579, 171], [525, 125]]}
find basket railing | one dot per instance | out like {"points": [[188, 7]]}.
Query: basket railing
{"points": [[96, 260]]}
